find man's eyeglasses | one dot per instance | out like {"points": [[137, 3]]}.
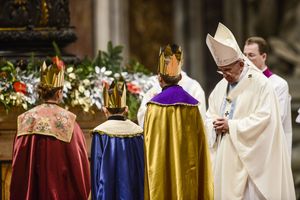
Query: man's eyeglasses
{"points": [[227, 69]]}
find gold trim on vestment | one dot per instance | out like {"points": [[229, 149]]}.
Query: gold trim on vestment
{"points": [[45, 134], [118, 135], [118, 128], [173, 104]]}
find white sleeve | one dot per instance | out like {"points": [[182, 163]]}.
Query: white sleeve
{"points": [[210, 116], [211, 135], [282, 93], [284, 99], [143, 107], [196, 91]]}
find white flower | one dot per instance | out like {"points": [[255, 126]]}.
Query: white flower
{"points": [[19, 98], [72, 76], [67, 85], [98, 104], [87, 93], [135, 82], [107, 73], [24, 105], [74, 102], [103, 69], [86, 109], [117, 75], [124, 74], [81, 101], [13, 96], [65, 95], [81, 88], [86, 82], [31, 100], [2, 97], [97, 70], [69, 69], [76, 94]]}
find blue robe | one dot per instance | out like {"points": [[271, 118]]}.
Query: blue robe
{"points": [[117, 161]]}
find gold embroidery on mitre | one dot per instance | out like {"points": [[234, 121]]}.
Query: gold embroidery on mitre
{"points": [[170, 60], [115, 95]]}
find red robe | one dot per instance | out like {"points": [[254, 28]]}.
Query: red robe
{"points": [[45, 167]]}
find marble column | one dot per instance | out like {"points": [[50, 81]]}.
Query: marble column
{"points": [[111, 24], [189, 34], [234, 19]]}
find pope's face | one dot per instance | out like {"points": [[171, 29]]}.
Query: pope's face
{"points": [[232, 71], [252, 52]]}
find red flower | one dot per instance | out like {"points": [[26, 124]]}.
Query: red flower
{"points": [[19, 87], [59, 63], [133, 88]]}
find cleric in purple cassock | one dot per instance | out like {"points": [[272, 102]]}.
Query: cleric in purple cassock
{"points": [[117, 156], [50, 160]]}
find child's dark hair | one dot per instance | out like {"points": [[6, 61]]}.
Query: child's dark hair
{"points": [[171, 80], [116, 110]]}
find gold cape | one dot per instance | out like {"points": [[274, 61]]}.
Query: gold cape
{"points": [[177, 162]]}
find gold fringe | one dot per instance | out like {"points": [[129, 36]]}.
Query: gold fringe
{"points": [[42, 133], [174, 104], [118, 135]]}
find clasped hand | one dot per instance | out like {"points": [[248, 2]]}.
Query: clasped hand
{"points": [[221, 125]]}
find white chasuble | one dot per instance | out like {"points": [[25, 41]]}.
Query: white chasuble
{"points": [[254, 151]]}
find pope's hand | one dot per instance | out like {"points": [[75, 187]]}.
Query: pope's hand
{"points": [[221, 125]]}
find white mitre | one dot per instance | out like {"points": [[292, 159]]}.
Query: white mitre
{"points": [[224, 47]]}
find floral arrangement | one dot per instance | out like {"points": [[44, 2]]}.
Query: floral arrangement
{"points": [[83, 82], [17, 87]]}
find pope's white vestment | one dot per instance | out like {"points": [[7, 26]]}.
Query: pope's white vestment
{"points": [[253, 157]]}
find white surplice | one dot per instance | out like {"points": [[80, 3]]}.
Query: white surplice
{"points": [[190, 85], [255, 148], [282, 91]]}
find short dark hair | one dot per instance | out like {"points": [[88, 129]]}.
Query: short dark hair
{"points": [[116, 110], [263, 46], [171, 80], [46, 92]]}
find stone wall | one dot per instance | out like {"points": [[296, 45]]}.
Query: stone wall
{"points": [[81, 15]]}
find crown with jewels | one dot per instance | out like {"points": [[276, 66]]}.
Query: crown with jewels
{"points": [[115, 95], [170, 60]]}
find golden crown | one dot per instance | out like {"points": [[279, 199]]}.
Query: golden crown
{"points": [[170, 60], [115, 95], [53, 75]]}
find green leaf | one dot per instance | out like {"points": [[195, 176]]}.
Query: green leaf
{"points": [[97, 60], [56, 49]]}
